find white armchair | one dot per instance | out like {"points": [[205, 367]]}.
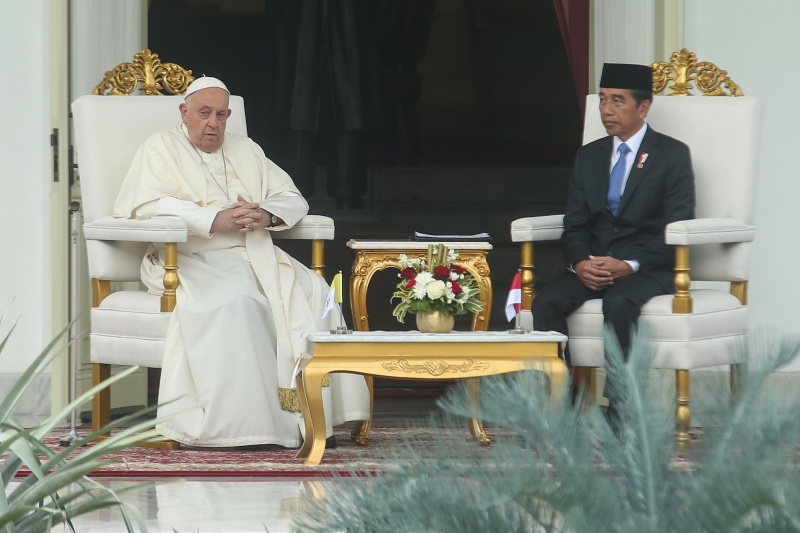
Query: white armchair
{"points": [[129, 327], [697, 327]]}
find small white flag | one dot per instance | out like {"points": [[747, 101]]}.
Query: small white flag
{"points": [[514, 300], [335, 295]]}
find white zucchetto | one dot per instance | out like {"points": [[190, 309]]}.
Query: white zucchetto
{"points": [[205, 82]]}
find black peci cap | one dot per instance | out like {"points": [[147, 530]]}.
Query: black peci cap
{"points": [[626, 76]]}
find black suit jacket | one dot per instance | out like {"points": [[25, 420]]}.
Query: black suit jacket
{"points": [[660, 192]]}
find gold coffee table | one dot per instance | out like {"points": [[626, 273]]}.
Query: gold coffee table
{"points": [[415, 355], [374, 256]]}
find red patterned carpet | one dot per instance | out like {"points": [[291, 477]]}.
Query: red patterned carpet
{"points": [[257, 461]]}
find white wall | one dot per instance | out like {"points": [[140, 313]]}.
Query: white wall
{"points": [[25, 178], [756, 42]]}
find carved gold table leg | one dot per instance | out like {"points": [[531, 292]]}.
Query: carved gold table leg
{"points": [[475, 424], [363, 270], [362, 428], [558, 373], [312, 387], [302, 397]]}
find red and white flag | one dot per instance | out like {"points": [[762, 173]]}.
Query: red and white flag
{"points": [[514, 301]]}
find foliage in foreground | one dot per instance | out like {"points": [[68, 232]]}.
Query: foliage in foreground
{"points": [[554, 469], [41, 500]]}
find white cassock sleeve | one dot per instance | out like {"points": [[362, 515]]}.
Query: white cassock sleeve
{"points": [[288, 206]]}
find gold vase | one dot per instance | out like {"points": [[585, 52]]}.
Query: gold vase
{"points": [[435, 322]]}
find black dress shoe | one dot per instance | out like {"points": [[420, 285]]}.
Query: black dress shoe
{"points": [[330, 442]]}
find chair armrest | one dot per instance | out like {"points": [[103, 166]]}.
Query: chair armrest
{"points": [[310, 227], [708, 231], [546, 228], [156, 229]]}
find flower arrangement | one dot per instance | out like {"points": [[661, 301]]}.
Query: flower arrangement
{"points": [[437, 284]]}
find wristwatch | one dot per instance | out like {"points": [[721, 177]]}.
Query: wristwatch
{"points": [[273, 221]]}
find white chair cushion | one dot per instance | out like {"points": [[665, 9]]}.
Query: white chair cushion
{"points": [[128, 328], [707, 337]]}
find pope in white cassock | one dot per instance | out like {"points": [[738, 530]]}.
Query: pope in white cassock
{"points": [[242, 304]]}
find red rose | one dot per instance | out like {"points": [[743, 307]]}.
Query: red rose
{"points": [[441, 272], [458, 269], [456, 288], [411, 283], [408, 273]]}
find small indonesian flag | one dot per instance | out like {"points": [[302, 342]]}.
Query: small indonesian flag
{"points": [[514, 301], [335, 295]]}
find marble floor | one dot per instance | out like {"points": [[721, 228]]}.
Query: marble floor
{"points": [[235, 504], [206, 505]]}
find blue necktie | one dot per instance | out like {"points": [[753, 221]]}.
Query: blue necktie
{"points": [[615, 181]]}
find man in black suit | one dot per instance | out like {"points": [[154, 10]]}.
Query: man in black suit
{"points": [[625, 189]]}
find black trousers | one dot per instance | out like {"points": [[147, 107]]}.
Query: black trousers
{"points": [[622, 303]]}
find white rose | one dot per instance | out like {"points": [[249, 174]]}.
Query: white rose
{"points": [[436, 289], [453, 276]]}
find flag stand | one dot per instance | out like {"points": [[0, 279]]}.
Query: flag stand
{"points": [[342, 329], [517, 327]]}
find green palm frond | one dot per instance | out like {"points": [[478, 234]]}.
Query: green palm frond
{"points": [[57, 488], [555, 468]]}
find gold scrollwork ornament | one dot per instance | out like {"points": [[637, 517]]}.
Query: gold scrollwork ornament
{"points": [[148, 71], [683, 68], [434, 367]]}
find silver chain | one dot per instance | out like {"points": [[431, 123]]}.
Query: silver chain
{"points": [[224, 166]]}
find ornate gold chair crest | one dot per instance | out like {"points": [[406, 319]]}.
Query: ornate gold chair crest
{"points": [[148, 71]]}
